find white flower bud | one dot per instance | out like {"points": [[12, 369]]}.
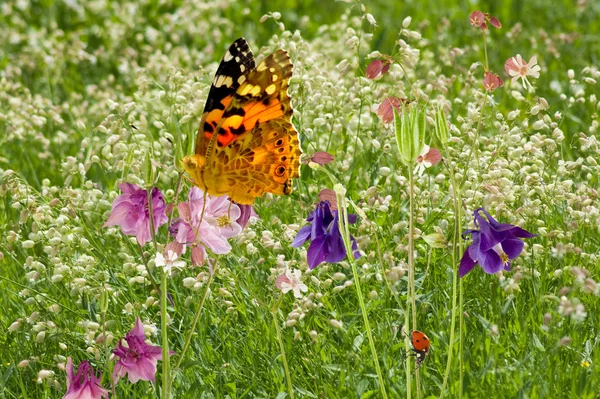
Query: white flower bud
{"points": [[336, 323]]}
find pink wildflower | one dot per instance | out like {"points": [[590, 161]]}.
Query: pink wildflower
{"points": [[386, 108], [136, 357], [130, 211], [290, 281], [517, 68], [219, 223], [246, 213], [84, 384], [492, 81], [427, 158], [377, 68], [477, 19], [319, 157]]}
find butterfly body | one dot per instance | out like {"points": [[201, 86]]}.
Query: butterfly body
{"points": [[246, 144], [420, 346]]}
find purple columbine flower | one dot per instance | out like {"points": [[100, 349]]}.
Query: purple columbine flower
{"points": [[84, 384], [130, 211], [494, 245], [326, 242], [136, 357]]}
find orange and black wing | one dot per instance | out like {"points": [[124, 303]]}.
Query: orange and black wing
{"points": [[237, 62], [257, 148]]}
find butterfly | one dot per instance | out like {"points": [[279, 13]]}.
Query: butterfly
{"points": [[420, 346], [256, 149]]}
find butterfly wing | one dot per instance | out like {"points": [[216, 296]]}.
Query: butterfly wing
{"points": [[257, 148], [238, 61]]}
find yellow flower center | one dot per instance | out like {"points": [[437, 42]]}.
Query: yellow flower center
{"points": [[503, 256], [223, 221]]}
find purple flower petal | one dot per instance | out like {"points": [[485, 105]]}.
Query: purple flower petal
{"points": [[512, 247], [491, 262], [317, 251], [302, 236], [466, 263], [521, 233]]}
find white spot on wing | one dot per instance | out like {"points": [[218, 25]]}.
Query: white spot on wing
{"points": [[227, 56]]}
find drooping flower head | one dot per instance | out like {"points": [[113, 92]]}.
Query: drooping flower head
{"points": [[290, 281], [209, 230], [84, 384], [387, 106], [492, 81], [478, 19], [517, 68], [326, 242], [137, 359], [130, 211], [377, 68], [494, 245]]}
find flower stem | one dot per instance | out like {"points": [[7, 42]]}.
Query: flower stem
{"points": [[485, 50], [188, 338], [411, 302], [282, 349], [456, 250], [165, 339], [343, 224]]}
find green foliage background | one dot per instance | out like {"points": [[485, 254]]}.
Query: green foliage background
{"points": [[236, 354]]}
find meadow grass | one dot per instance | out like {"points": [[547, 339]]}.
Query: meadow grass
{"points": [[90, 90]]}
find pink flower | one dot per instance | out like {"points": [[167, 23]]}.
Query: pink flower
{"points": [[319, 157], [246, 213], [136, 357], [130, 211], [492, 81], [290, 281], [477, 19], [495, 22], [517, 68], [211, 230], [84, 384], [386, 108], [377, 68], [427, 158]]}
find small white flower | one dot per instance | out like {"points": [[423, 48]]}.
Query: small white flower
{"points": [[290, 281], [170, 262]]}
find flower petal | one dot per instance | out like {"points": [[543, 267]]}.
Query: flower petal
{"points": [[466, 263], [491, 262], [512, 247], [302, 236], [317, 251]]}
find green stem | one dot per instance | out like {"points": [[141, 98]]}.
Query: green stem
{"points": [[188, 338], [282, 349], [343, 224], [485, 50], [164, 335], [456, 252], [411, 261], [461, 315], [166, 389]]}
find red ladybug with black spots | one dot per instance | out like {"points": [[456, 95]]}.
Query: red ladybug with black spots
{"points": [[420, 346]]}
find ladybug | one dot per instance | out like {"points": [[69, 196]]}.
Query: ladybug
{"points": [[420, 346]]}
